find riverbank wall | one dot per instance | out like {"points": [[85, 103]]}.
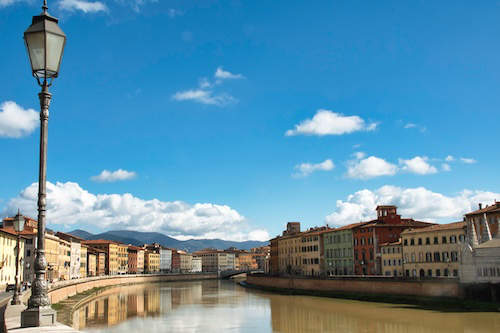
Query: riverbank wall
{"points": [[61, 290], [362, 285]]}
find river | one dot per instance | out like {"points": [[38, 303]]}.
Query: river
{"points": [[224, 306]]}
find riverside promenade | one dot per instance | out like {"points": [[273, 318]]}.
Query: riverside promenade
{"points": [[59, 291]]}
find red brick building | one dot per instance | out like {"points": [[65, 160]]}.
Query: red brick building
{"points": [[176, 261], [367, 238], [132, 259]]}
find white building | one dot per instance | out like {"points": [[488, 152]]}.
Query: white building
{"points": [[76, 248], [481, 255], [165, 260], [196, 266]]}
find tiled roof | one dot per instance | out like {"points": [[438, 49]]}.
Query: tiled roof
{"points": [[437, 227], [101, 241], [25, 232], [65, 235], [490, 209], [391, 243]]}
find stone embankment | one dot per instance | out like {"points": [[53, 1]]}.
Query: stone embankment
{"points": [[445, 288], [61, 290]]}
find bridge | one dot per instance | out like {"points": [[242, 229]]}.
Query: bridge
{"points": [[228, 274]]}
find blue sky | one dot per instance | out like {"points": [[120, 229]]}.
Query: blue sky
{"points": [[229, 118]]}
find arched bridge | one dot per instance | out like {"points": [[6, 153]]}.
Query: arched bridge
{"points": [[228, 274]]}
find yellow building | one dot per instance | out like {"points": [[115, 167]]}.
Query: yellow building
{"points": [[392, 259], [122, 252], [83, 261], [64, 260], [151, 262], [8, 245], [185, 262], [290, 254], [311, 246], [52, 256], [433, 251], [91, 263], [114, 263]]}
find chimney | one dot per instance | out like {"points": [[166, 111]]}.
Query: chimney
{"points": [[480, 206]]}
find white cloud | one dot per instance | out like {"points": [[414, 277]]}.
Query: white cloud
{"points": [[305, 169], [71, 206], [82, 5], [419, 203], [413, 125], [172, 12], [112, 176], [5, 3], [220, 73], [418, 165], [204, 97], [206, 94], [449, 158], [445, 167], [410, 125], [326, 122], [15, 121], [370, 167], [467, 160]]}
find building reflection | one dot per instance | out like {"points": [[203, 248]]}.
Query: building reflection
{"points": [[186, 306]]}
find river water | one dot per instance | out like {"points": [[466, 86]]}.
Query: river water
{"points": [[224, 306]]}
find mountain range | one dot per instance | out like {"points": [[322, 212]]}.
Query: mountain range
{"points": [[139, 238]]}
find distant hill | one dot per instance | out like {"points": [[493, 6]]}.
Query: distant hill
{"points": [[140, 238]]}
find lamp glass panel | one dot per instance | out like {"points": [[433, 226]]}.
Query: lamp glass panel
{"points": [[34, 43], [55, 45]]}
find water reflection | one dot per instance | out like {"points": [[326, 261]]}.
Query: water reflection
{"points": [[217, 306]]}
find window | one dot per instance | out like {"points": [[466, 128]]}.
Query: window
{"points": [[412, 241], [436, 241], [385, 263], [445, 257], [429, 272], [406, 242], [444, 239], [427, 241], [420, 241], [437, 257], [28, 253], [455, 272], [453, 239], [438, 272], [413, 257], [428, 257], [461, 238], [454, 256]]}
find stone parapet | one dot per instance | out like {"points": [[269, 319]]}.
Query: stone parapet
{"points": [[364, 285]]}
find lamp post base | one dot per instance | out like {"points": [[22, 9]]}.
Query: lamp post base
{"points": [[36, 317]]}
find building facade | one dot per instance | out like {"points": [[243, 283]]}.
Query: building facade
{"points": [[392, 259], [481, 254], [8, 248], [186, 262], [83, 261], [196, 265], [110, 248], [368, 236], [76, 255], [339, 251], [151, 262], [132, 259], [433, 251], [165, 260], [311, 247]]}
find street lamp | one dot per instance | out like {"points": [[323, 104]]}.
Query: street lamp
{"points": [[18, 227], [45, 44]]}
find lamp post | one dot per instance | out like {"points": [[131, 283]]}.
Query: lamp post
{"points": [[45, 44], [18, 227]]}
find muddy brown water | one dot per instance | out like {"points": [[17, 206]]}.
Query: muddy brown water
{"points": [[224, 306]]}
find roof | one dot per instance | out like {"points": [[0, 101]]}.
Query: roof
{"points": [[64, 235], [437, 227], [386, 206], [488, 209], [391, 243], [25, 232], [134, 248], [101, 241], [9, 232], [405, 223]]}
